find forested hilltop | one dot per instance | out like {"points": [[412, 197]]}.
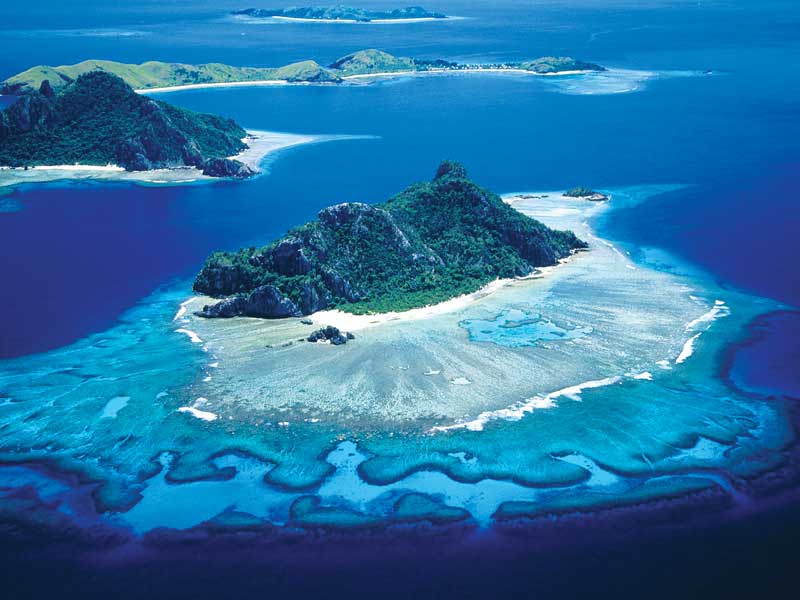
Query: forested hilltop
{"points": [[154, 74], [432, 242], [98, 119]]}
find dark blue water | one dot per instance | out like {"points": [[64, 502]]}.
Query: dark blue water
{"points": [[92, 251], [76, 256]]}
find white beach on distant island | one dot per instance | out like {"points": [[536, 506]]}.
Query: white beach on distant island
{"points": [[278, 18], [346, 78]]}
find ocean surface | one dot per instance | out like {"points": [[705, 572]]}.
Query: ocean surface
{"points": [[702, 95]]}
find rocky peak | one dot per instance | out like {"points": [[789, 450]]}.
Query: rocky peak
{"points": [[450, 168]]}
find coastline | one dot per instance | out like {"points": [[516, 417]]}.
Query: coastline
{"points": [[352, 322], [252, 390], [279, 18], [347, 78], [261, 145]]}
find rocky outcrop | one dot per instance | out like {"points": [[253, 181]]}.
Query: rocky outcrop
{"points": [[224, 309], [265, 302], [227, 167], [288, 257], [49, 127], [330, 334]]}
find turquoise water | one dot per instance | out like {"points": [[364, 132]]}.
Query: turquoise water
{"points": [[606, 383], [517, 327]]}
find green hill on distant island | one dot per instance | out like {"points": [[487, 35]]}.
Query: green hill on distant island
{"points": [[339, 13], [153, 74], [98, 119], [432, 242]]}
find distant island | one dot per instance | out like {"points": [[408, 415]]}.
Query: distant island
{"points": [[158, 76], [340, 13], [585, 193], [97, 119], [432, 242]]}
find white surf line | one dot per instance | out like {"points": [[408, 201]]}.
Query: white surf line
{"points": [[182, 310], [199, 414], [719, 310], [688, 349], [192, 335], [515, 412]]}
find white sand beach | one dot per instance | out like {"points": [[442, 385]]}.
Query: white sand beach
{"points": [[260, 145], [351, 322], [346, 78]]}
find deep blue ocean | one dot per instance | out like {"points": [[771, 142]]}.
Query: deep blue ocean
{"points": [[77, 256]]}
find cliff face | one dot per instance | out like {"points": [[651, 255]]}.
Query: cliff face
{"points": [[429, 243], [99, 119]]}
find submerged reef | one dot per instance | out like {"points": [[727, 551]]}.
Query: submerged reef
{"points": [[588, 388]]}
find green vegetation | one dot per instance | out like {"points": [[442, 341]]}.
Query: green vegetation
{"points": [[154, 74], [432, 242], [99, 119], [580, 192], [372, 61], [558, 64], [339, 13]]}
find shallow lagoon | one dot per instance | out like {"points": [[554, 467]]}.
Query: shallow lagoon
{"points": [[413, 419]]}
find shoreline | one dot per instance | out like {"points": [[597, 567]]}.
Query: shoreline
{"points": [[260, 145], [280, 18], [349, 322], [347, 78]]}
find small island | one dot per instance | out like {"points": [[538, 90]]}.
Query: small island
{"points": [[154, 76], [430, 243], [347, 14], [99, 120], [586, 194]]}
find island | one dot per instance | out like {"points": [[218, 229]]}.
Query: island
{"points": [[430, 243], [98, 119], [586, 194], [154, 76], [340, 13]]}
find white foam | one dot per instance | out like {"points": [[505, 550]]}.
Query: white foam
{"points": [[192, 335], [687, 350], [460, 381], [431, 372], [200, 414], [719, 310], [516, 411], [664, 364], [646, 375], [182, 309]]}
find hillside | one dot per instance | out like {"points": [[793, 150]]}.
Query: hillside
{"points": [[430, 243], [153, 74], [98, 119]]}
